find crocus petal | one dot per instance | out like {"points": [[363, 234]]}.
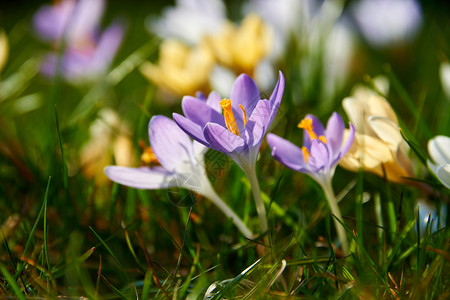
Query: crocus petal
{"points": [[221, 139], [190, 128], [85, 18], [141, 178], [387, 130], [214, 101], [443, 173], [107, 47], [171, 145], [439, 149], [200, 112], [320, 157], [245, 92], [50, 21], [275, 98], [286, 152], [317, 128], [349, 141], [257, 123], [335, 132]]}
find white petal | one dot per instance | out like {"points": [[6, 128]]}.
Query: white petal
{"points": [[439, 149], [142, 178], [444, 73], [443, 173], [387, 130]]}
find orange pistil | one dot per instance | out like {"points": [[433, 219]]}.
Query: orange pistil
{"points": [[228, 115]]}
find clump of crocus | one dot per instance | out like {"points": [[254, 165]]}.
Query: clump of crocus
{"points": [[239, 131], [181, 69], [379, 147], [439, 150], [181, 165], [74, 26], [322, 150]]}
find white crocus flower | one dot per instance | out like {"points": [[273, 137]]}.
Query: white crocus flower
{"points": [[439, 150]]}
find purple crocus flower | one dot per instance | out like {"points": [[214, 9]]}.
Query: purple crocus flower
{"points": [[239, 131], [322, 149], [182, 165], [245, 120], [74, 25]]}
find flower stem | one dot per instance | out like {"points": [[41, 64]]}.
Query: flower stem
{"points": [[334, 208], [251, 174], [212, 195]]}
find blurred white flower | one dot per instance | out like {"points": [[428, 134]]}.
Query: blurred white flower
{"points": [[387, 22], [439, 150], [3, 49], [282, 16], [189, 20], [428, 214], [444, 74]]}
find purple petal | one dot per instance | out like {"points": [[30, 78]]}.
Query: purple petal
{"points": [[320, 157], [317, 128], [85, 19], [221, 139], [200, 95], [199, 112], [349, 141], [141, 178], [245, 92], [190, 128], [335, 133], [286, 153], [50, 21], [213, 101], [275, 98], [257, 123], [107, 47], [171, 145]]}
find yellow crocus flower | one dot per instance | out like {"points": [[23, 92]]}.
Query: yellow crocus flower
{"points": [[181, 70], [378, 146], [241, 48]]}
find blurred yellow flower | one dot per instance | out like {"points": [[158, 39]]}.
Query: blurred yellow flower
{"points": [[4, 49], [378, 146], [241, 48], [109, 138], [181, 69]]}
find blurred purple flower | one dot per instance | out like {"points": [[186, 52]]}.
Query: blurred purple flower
{"points": [[322, 149], [245, 120], [74, 25], [182, 165]]}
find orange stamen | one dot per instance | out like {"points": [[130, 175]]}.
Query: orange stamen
{"points": [[306, 154], [228, 115], [307, 124], [245, 114], [149, 157]]}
